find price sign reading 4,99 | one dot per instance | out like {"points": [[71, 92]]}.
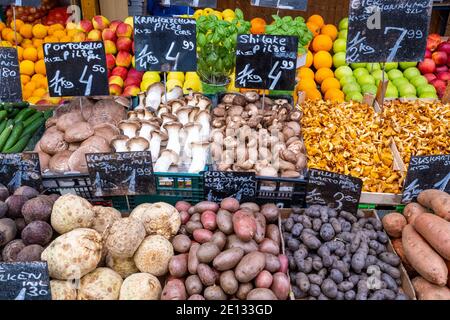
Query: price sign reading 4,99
{"points": [[10, 87], [76, 69], [266, 62], [427, 172], [388, 30], [165, 44]]}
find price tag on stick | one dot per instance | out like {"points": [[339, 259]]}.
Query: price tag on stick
{"points": [[191, 3], [266, 62], [10, 86], [20, 169], [165, 44], [282, 4], [219, 185], [120, 174], [388, 30], [76, 69], [335, 190], [426, 172]]}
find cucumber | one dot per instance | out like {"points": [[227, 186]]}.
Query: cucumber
{"points": [[20, 145], [5, 133], [33, 127], [3, 115], [13, 113], [48, 114], [24, 114], [33, 118], [3, 125], [14, 136]]}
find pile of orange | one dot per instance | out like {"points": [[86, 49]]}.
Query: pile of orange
{"points": [[319, 62]]}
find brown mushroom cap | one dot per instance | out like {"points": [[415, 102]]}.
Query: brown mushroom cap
{"points": [[138, 143], [51, 122], [173, 124], [67, 120], [251, 96], [290, 174], [77, 161], [74, 146], [53, 142], [106, 131], [44, 160], [60, 162], [78, 132], [239, 100], [97, 142], [107, 111]]}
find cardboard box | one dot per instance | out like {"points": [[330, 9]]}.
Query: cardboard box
{"points": [[114, 9]]}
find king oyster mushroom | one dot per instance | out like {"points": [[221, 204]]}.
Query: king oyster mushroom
{"points": [[119, 143], [204, 119], [193, 135], [175, 93], [137, 144], [129, 128], [183, 115], [173, 131], [153, 96], [155, 143], [199, 155], [166, 160], [147, 127]]}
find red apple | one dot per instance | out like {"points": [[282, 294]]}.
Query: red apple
{"points": [[116, 80], [132, 48], [433, 41], [440, 86], [124, 44], [109, 34], [132, 81], [110, 47], [427, 66], [445, 47], [123, 59], [441, 69], [115, 90], [85, 26], [430, 77], [100, 22], [133, 73], [428, 54], [110, 61], [114, 24], [440, 58], [94, 35], [120, 71], [79, 37], [444, 76], [131, 91], [124, 30]]}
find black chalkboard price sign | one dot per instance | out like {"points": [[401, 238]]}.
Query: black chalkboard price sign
{"points": [[27, 3], [282, 4], [20, 169], [191, 3], [266, 62], [10, 86], [165, 44], [219, 185], [122, 173], [427, 172], [332, 189], [76, 69], [388, 30], [24, 281]]}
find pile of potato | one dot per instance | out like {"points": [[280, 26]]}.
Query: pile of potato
{"points": [[422, 240], [24, 227], [340, 256], [227, 251]]}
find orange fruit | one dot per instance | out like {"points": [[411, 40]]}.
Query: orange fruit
{"points": [[33, 100], [16, 25], [59, 34], [309, 59], [20, 53], [335, 95], [30, 53], [313, 95], [51, 39], [317, 19], [37, 79], [258, 26], [39, 92], [304, 72], [72, 32], [39, 31], [322, 74], [5, 32], [314, 28], [13, 37], [39, 67], [40, 53], [323, 59], [27, 67], [30, 86], [330, 83], [322, 43], [306, 84], [65, 39], [2, 26], [24, 79], [38, 43], [330, 30], [26, 93], [26, 31], [55, 27]]}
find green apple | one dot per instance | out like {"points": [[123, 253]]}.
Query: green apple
{"points": [[358, 65], [409, 97], [428, 88], [391, 91], [354, 96], [340, 45], [369, 88], [373, 66], [347, 79], [343, 71], [343, 24], [407, 90], [395, 74], [343, 34], [378, 75], [411, 73], [339, 60], [406, 65], [390, 66], [400, 82], [428, 95], [351, 87], [366, 79], [419, 81], [360, 72]]}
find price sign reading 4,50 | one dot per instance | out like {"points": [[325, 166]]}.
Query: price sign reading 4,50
{"points": [[10, 87], [76, 69], [266, 62]]}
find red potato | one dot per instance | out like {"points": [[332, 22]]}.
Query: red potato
{"points": [[269, 246], [436, 231], [174, 290], [182, 206], [284, 262], [273, 232], [202, 235], [270, 211], [184, 217], [448, 267], [244, 225], [208, 219], [423, 258], [196, 297], [178, 265], [205, 206], [394, 223], [436, 200], [412, 210], [260, 227], [428, 291], [253, 207], [281, 285], [230, 204], [192, 258], [264, 279]]}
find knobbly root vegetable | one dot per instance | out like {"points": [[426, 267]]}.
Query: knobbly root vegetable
{"points": [[125, 237], [63, 290], [436, 200], [428, 291], [153, 255], [140, 286], [100, 284], [436, 231], [394, 223], [71, 212]]}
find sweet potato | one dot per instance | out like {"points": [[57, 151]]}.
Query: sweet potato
{"points": [[423, 258], [244, 225], [412, 210], [398, 247], [394, 223], [436, 231], [428, 291], [436, 200]]}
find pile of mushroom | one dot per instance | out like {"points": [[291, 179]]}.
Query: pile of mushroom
{"points": [[80, 127], [251, 133], [176, 133]]}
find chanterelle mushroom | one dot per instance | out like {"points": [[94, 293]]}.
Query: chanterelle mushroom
{"points": [[137, 144], [129, 128]]}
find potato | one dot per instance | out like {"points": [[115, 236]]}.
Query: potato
{"points": [[193, 285], [140, 286], [30, 253], [412, 210], [196, 217], [11, 250], [178, 265], [100, 284], [181, 243], [37, 232], [182, 206], [436, 200], [436, 231], [271, 212], [244, 225], [260, 233], [208, 219], [174, 290], [192, 258], [196, 297], [207, 252], [261, 294], [250, 266], [228, 259], [230, 204], [153, 255], [8, 230], [244, 289], [251, 206], [225, 221], [63, 290], [215, 293], [428, 291], [185, 217], [228, 282], [272, 263], [219, 239], [273, 233], [206, 274], [158, 218], [269, 246], [191, 226], [205, 206], [264, 279], [71, 212], [394, 223], [281, 285], [202, 235], [104, 218], [124, 237], [123, 266], [74, 254], [284, 263], [37, 209]]}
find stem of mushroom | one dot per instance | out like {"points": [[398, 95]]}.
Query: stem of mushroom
{"points": [[165, 87]]}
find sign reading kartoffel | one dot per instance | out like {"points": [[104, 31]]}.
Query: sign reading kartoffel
{"points": [[427, 172], [239, 185], [165, 44], [76, 69], [388, 30], [266, 62], [282, 4], [10, 86]]}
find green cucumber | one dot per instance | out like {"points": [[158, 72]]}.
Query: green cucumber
{"points": [[5, 133], [14, 136], [20, 145], [24, 114], [33, 118], [33, 127], [3, 115], [48, 114], [13, 113], [3, 125]]}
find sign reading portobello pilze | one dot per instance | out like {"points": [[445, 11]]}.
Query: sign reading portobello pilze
{"points": [[20, 169], [335, 190], [388, 30], [219, 185], [266, 62], [10, 86], [26, 3], [165, 44], [427, 172], [282, 4], [122, 173], [191, 3], [76, 69]]}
